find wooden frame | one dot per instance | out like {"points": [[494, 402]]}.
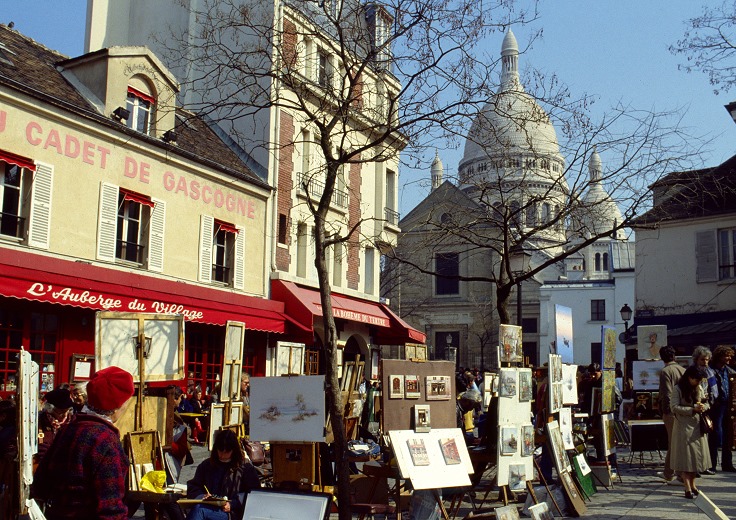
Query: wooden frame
{"points": [[82, 367], [232, 361]]}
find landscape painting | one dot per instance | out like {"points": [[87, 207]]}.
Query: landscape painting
{"points": [[287, 409]]}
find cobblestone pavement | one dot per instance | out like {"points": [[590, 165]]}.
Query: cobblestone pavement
{"points": [[640, 493]]}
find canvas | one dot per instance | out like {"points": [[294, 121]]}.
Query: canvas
{"points": [[511, 344], [437, 388], [411, 387], [507, 385], [449, 450], [525, 385], [507, 513], [608, 353], [527, 440], [517, 477], [563, 333], [645, 374], [569, 384], [509, 440], [288, 409], [566, 428], [608, 399], [418, 452], [396, 388], [422, 419], [650, 338]]}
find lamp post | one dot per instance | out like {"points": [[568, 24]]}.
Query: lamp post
{"points": [[450, 350], [626, 313]]}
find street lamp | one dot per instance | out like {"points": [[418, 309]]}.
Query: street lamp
{"points": [[450, 350], [626, 313]]}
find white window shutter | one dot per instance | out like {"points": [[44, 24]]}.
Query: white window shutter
{"points": [[207, 224], [39, 226], [706, 256], [156, 236], [108, 222], [239, 260]]}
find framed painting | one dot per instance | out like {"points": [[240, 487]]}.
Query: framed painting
{"points": [[411, 387], [82, 367], [438, 388], [525, 385], [608, 353], [650, 338], [645, 374], [509, 440], [422, 419], [511, 344], [507, 385], [510, 512], [563, 333], [573, 494], [396, 389], [608, 385], [541, 512]]}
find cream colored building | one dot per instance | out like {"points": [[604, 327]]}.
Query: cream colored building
{"points": [[115, 199]]}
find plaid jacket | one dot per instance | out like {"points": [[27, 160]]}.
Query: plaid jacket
{"points": [[83, 475]]}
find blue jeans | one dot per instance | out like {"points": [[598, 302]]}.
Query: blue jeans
{"points": [[202, 512], [718, 438]]}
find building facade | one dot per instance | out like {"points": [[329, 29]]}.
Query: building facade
{"points": [[115, 199]]}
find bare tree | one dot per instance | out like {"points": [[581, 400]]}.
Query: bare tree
{"points": [[709, 45], [376, 83]]}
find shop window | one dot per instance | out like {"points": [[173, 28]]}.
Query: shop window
{"points": [[25, 199], [597, 310], [204, 358], [131, 228], [447, 266], [222, 253], [141, 107], [11, 338]]}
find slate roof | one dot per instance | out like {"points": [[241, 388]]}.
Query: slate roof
{"points": [[691, 194], [29, 67]]}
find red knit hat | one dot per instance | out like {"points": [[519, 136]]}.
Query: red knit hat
{"points": [[109, 389]]}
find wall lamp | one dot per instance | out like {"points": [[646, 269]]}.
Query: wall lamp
{"points": [[169, 136], [121, 113]]}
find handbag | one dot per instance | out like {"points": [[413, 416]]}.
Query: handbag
{"points": [[706, 424], [255, 451]]}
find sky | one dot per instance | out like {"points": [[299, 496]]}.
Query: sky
{"points": [[611, 49]]}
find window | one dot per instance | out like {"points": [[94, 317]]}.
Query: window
{"points": [[222, 253], [25, 199], [11, 188], [597, 310], [447, 265], [727, 253], [302, 248], [596, 351], [545, 212], [283, 230], [130, 228], [529, 325], [597, 261], [140, 106], [369, 270], [605, 261], [339, 252], [324, 69], [531, 214]]}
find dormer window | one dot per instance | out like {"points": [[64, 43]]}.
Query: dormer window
{"points": [[141, 106]]}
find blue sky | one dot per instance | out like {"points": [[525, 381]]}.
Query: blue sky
{"points": [[612, 49]]}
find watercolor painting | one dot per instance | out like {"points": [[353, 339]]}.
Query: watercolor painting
{"points": [[511, 344], [287, 408], [438, 388], [418, 452], [422, 420], [527, 440], [509, 440], [449, 451], [541, 512], [507, 513], [507, 386], [396, 386], [517, 477], [525, 385], [563, 333], [411, 387]]}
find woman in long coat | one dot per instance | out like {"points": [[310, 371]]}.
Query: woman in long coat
{"points": [[689, 450]]}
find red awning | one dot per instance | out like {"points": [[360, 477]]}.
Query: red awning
{"points": [[142, 95], [303, 304], [137, 197], [17, 160], [46, 279], [226, 227]]}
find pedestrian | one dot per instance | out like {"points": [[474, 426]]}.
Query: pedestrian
{"points": [[56, 412], [84, 473], [689, 449], [722, 433], [668, 378], [702, 357], [245, 396], [226, 474], [79, 396]]}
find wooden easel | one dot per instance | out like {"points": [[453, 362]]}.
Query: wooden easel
{"points": [[296, 465]]}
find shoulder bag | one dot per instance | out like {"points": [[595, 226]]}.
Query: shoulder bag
{"points": [[706, 424]]}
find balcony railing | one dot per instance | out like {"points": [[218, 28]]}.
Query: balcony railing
{"points": [[130, 252], [392, 217], [12, 225], [316, 188]]}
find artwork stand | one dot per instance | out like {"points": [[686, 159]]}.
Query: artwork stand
{"points": [[296, 465], [546, 486]]}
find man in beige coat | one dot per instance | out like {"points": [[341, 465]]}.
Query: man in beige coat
{"points": [[668, 378]]}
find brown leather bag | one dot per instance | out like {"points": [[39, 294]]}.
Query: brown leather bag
{"points": [[255, 451]]}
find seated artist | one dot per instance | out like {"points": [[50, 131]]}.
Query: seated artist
{"points": [[226, 473]]}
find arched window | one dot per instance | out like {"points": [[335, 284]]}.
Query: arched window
{"points": [[515, 213], [545, 212], [597, 261], [531, 214], [605, 261], [141, 105]]}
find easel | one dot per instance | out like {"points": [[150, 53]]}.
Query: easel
{"points": [[296, 466], [530, 488]]}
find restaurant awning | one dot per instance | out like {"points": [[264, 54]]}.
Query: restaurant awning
{"points": [[303, 305], [53, 280]]}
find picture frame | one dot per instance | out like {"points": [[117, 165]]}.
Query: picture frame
{"points": [[411, 387], [396, 388], [507, 384], [564, 333], [422, 418], [82, 367], [418, 451], [510, 350], [437, 388], [527, 440], [510, 512], [450, 452], [541, 512], [608, 386], [645, 374], [573, 495], [569, 384], [289, 358], [554, 437], [526, 386]]}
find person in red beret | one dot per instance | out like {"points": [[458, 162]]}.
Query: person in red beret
{"points": [[83, 475]]}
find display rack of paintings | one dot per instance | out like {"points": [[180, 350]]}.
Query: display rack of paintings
{"points": [[650, 338], [608, 353], [569, 384], [608, 386], [436, 459], [515, 433], [563, 333], [645, 374], [511, 344]]}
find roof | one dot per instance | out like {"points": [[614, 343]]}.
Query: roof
{"points": [[691, 194], [35, 70]]}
